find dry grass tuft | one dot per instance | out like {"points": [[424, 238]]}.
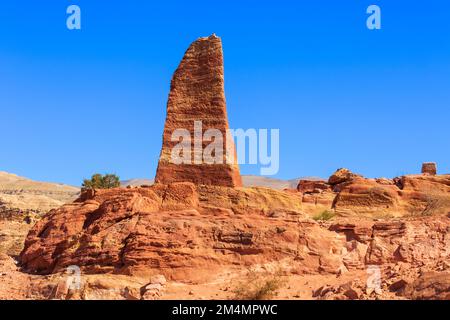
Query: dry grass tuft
{"points": [[259, 286]]}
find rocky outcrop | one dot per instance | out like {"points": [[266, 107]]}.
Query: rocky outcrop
{"points": [[193, 233], [340, 176], [177, 228], [197, 94], [417, 241], [429, 168], [432, 285], [410, 195], [312, 186], [350, 194], [316, 194], [187, 233], [366, 197]]}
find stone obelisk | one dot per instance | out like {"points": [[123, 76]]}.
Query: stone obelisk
{"points": [[197, 96]]}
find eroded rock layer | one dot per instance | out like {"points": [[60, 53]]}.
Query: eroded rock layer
{"points": [[176, 228], [197, 95]]}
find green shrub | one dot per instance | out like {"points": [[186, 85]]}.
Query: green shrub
{"points": [[99, 181], [324, 215]]}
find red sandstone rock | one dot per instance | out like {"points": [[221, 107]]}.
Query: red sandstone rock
{"points": [[192, 233], [316, 193], [340, 176], [160, 229], [348, 291], [312, 186], [366, 197], [430, 285], [13, 285], [429, 168], [407, 195], [197, 94]]}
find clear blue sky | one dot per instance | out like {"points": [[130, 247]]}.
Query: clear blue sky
{"points": [[77, 102]]}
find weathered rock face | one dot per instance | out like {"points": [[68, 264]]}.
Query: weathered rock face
{"points": [[197, 94], [366, 197], [411, 195], [172, 229]]}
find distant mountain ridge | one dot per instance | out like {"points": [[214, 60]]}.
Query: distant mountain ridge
{"points": [[19, 194], [247, 180]]}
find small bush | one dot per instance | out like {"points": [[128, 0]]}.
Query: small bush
{"points": [[99, 181], [259, 286], [435, 204], [324, 215]]}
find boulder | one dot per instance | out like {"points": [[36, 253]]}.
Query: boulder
{"points": [[340, 176]]}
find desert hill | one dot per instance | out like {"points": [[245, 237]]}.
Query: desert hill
{"points": [[25, 195], [24, 201]]}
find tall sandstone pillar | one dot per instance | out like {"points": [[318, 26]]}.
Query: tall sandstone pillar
{"points": [[197, 94]]}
